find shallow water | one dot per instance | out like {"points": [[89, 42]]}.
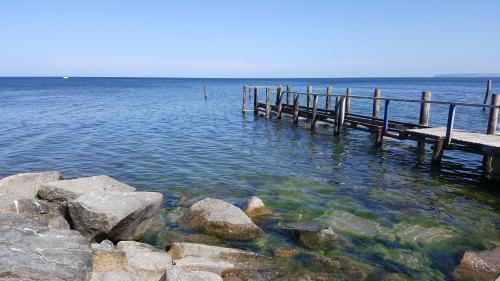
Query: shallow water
{"points": [[161, 135]]}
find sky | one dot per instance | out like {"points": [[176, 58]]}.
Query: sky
{"points": [[231, 38]]}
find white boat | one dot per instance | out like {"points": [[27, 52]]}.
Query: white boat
{"points": [[65, 77]]}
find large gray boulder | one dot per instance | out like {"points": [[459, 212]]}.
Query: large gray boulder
{"points": [[479, 265], [115, 215], [27, 184], [219, 218], [31, 251], [67, 190], [15, 204]]}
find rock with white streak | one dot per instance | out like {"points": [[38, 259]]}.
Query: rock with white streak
{"points": [[115, 215], [67, 190], [219, 218], [27, 184]]}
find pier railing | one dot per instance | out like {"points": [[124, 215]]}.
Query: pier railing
{"points": [[336, 111]]}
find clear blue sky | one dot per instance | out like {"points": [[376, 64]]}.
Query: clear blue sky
{"points": [[323, 38]]}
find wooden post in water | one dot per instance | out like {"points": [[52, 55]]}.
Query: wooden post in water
{"points": [[339, 122], [268, 104], [337, 116], [315, 112], [205, 92], [255, 101], [424, 113], [288, 95], [437, 152], [491, 130], [329, 93], [450, 124], [488, 90], [309, 92], [348, 93], [279, 105], [296, 109], [376, 103], [244, 105], [379, 136]]}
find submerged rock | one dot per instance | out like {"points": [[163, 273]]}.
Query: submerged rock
{"points": [[415, 234], [27, 184], [31, 251], [115, 215], [254, 207], [479, 265], [312, 234], [345, 265], [285, 252], [217, 217], [198, 238], [348, 223], [67, 190]]}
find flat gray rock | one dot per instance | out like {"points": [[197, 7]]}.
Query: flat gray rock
{"points": [[27, 184], [219, 218], [312, 234], [180, 274], [30, 251], [145, 260], [67, 190], [117, 276], [114, 215]]}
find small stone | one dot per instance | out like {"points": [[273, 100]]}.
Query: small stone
{"points": [[219, 218], [477, 265], [254, 207], [312, 234], [285, 252], [67, 190], [145, 260], [27, 184]]}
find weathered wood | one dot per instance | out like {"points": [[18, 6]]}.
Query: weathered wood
{"points": [[309, 92], [376, 103], [336, 115], [437, 152], [348, 94], [379, 136], [268, 105], [424, 113], [288, 95], [243, 106], [296, 109], [491, 130], [386, 116], [256, 101], [329, 93], [279, 105], [315, 112], [450, 124], [341, 115], [487, 93]]}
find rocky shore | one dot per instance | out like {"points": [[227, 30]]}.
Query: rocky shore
{"points": [[87, 229]]}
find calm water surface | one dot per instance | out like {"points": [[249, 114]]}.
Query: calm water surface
{"points": [[161, 135]]}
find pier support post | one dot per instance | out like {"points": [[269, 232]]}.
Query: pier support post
{"points": [[376, 106], [488, 161], [279, 103], [309, 92], [256, 101], [437, 152], [379, 136], [348, 93], [244, 105], [288, 95], [268, 105], [425, 108], [329, 92], [450, 124], [488, 90], [296, 109], [315, 112], [339, 122]]}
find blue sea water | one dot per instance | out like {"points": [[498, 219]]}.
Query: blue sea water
{"points": [[162, 135]]}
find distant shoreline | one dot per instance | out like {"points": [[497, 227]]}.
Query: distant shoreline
{"points": [[469, 75]]}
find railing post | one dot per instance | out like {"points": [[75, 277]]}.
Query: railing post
{"points": [[315, 111], [309, 92], [340, 116], [296, 109], [268, 104], [348, 94], [491, 130], [376, 105], [243, 107], [288, 95], [329, 92], [255, 101], [386, 116], [425, 108], [279, 105], [450, 124], [488, 90]]}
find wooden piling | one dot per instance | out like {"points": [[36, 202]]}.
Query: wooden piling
{"points": [[268, 104], [309, 92], [348, 94], [205, 92], [243, 106], [488, 90], [315, 112], [424, 113], [491, 130], [296, 109], [379, 136], [437, 152], [255, 101], [336, 113], [376, 104], [341, 115], [329, 93], [279, 105], [450, 124], [288, 95]]}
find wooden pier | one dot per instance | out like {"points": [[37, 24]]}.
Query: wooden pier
{"points": [[337, 113]]}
